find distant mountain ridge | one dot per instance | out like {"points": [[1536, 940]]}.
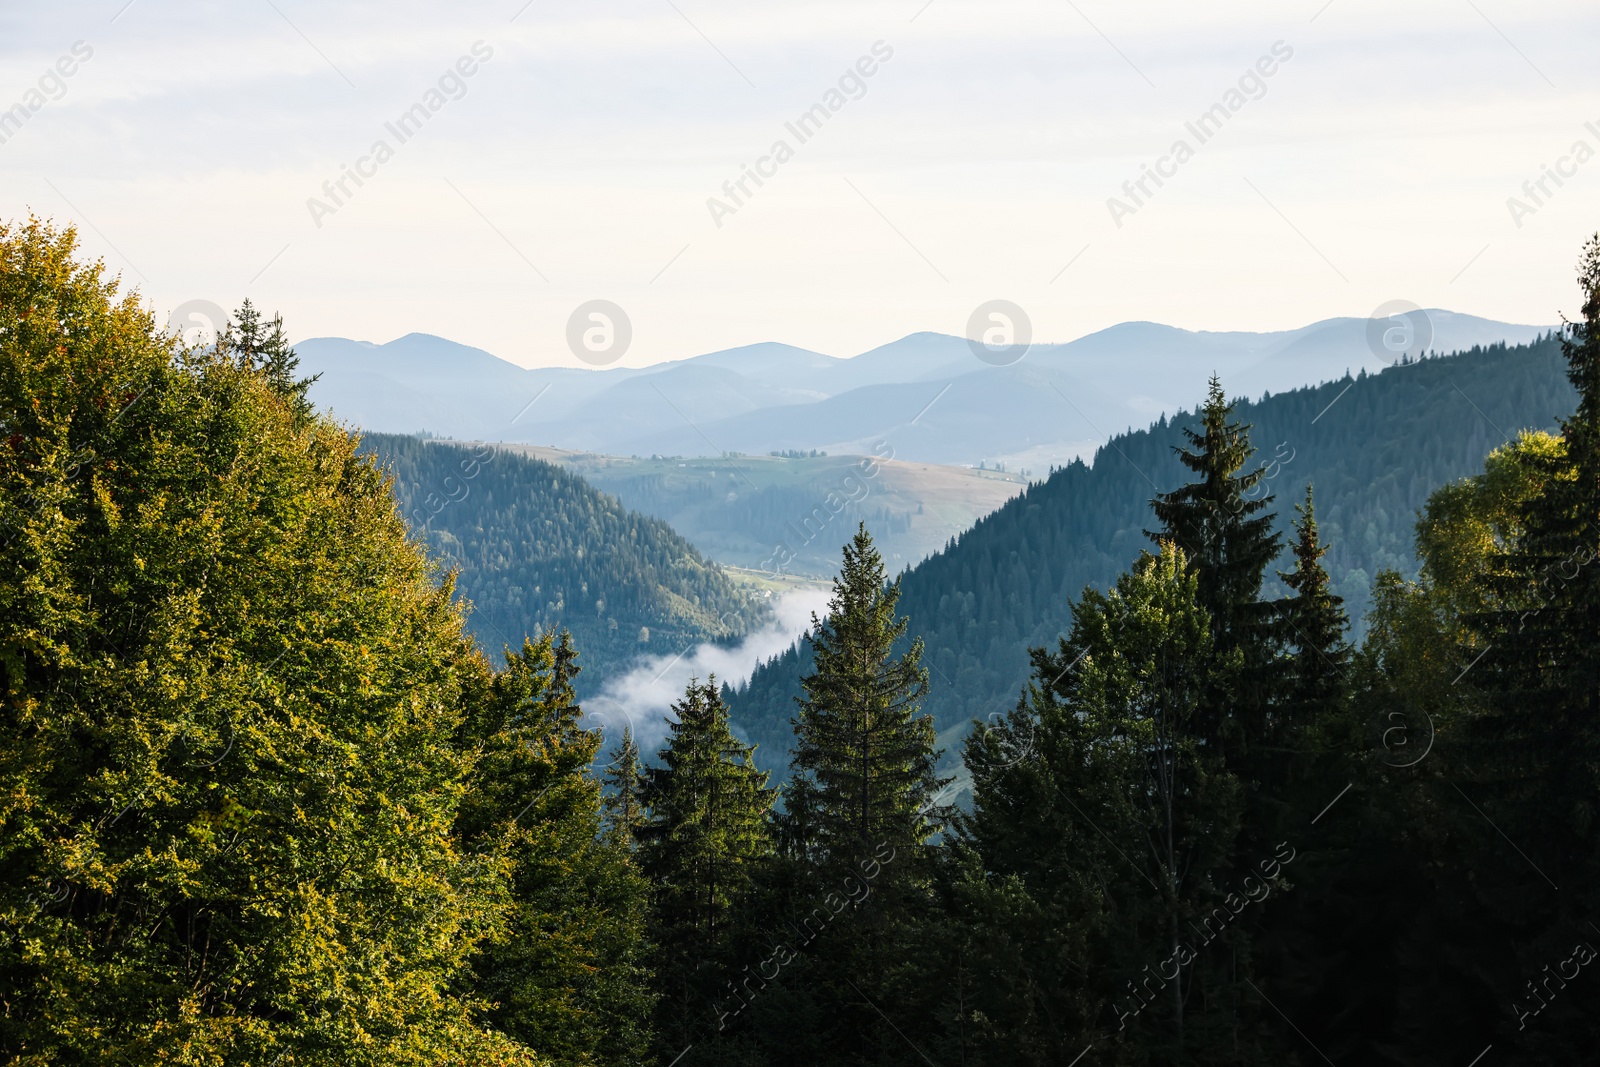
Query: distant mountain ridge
{"points": [[926, 394]]}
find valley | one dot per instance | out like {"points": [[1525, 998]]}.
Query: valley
{"points": [[783, 517]]}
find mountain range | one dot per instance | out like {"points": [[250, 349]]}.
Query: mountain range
{"points": [[927, 397]]}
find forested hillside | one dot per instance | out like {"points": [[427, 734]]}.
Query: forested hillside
{"points": [[264, 801], [1374, 455], [540, 550], [789, 513]]}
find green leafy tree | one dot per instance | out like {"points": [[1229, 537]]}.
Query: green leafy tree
{"points": [[231, 696]]}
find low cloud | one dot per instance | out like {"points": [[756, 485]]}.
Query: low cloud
{"points": [[643, 697]]}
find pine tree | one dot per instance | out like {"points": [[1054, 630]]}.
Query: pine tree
{"points": [[704, 839], [1221, 523], [860, 810], [706, 824], [624, 810]]}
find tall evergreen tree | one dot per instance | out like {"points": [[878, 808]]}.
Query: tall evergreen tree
{"points": [[1221, 523], [702, 843], [568, 975], [860, 812], [864, 754], [1316, 623], [1314, 670], [624, 810]]}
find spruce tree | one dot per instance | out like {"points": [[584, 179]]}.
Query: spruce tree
{"points": [[864, 789], [256, 344], [702, 843], [864, 758], [1221, 525], [1315, 627], [624, 810]]}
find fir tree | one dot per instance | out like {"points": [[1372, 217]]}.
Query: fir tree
{"points": [[706, 826], [861, 809], [1221, 523]]}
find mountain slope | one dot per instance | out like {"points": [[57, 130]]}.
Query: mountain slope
{"points": [[539, 549], [777, 513], [1374, 446]]}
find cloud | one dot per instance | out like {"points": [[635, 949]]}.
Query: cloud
{"points": [[643, 697]]}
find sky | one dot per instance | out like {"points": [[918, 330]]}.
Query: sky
{"points": [[561, 152]]}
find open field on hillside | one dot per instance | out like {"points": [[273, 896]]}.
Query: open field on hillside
{"points": [[781, 515]]}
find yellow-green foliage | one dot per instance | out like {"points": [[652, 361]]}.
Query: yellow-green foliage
{"points": [[233, 702], [1420, 640], [1468, 525]]}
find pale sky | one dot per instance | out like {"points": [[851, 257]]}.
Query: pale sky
{"points": [[1374, 163]]}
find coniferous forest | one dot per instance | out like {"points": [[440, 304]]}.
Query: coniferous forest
{"points": [[1374, 446], [537, 549], [267, 802]]}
